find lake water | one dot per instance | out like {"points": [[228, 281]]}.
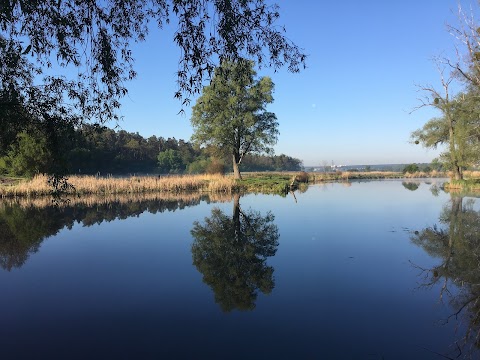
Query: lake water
{"points": [[363, 270]]}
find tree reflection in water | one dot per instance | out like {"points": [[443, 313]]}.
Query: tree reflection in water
{"points": [[231, 253], [409, 185], [25, 224], [456, 242]]}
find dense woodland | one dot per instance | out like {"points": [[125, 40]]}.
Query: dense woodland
{"points": [[91, 149]]}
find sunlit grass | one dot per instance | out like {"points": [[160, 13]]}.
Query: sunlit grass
{"points": [[266, 182], [87, 185]]}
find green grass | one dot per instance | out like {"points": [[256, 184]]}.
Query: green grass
{"points": [[464, 185], [265, 183]]}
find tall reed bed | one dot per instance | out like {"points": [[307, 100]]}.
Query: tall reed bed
{"points": [[471, 174], [431, 174], [85, 185]]}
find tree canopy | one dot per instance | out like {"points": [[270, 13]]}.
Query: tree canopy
{"points": [[230, 115]]}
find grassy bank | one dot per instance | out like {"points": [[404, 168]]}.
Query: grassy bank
{"points": [[88, 185], [470, 183], [278, 183]]}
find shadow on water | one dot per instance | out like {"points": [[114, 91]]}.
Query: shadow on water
{"points": [[455, 242], [24, 224], [231, 253]]}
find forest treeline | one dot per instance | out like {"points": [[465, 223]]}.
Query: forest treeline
{"points": [[90, 149]]}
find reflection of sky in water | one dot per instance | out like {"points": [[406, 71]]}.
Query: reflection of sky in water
{"points": [[344, 287]]}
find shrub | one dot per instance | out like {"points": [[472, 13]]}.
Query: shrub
{"points": [[411, 168], [301, 177]]}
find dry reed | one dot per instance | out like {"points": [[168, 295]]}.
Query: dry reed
{"points": [[471, 174], [87, 185], [422, 174]]}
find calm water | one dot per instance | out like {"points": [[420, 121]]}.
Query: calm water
{"points": [[368, 270]]}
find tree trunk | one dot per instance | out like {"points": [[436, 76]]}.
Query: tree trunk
{"points": [[236, 170], [457, 171]]}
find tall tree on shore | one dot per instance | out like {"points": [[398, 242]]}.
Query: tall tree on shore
{"points": [[231, 114], [456, 127]]}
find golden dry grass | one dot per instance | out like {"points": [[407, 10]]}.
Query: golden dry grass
{"points": [[471, 174], [211, 184], [431, 174], [86, 185]]}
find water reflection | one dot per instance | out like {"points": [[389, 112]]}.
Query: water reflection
{"points": [[231, 253], [409, 185], [455, 241], [24, 224]]}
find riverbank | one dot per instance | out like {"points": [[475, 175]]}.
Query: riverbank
{"points": [[262, 182], [89, 185], [467, 185]]}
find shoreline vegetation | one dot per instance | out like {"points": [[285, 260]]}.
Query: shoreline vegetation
{"points": [[468, 185], [262, 182]]}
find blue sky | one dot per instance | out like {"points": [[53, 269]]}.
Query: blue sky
{"points": [[352, 103]]}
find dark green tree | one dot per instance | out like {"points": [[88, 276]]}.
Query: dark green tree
{"points": [[231, 254], [169, 161], [230, 116], [27, 157], [257, 162], [411, 168]]}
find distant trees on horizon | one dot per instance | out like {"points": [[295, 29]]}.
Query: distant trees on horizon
{"points": [[90, 149]]}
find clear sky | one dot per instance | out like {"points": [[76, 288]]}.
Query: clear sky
{"points": [[352, 103]]}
